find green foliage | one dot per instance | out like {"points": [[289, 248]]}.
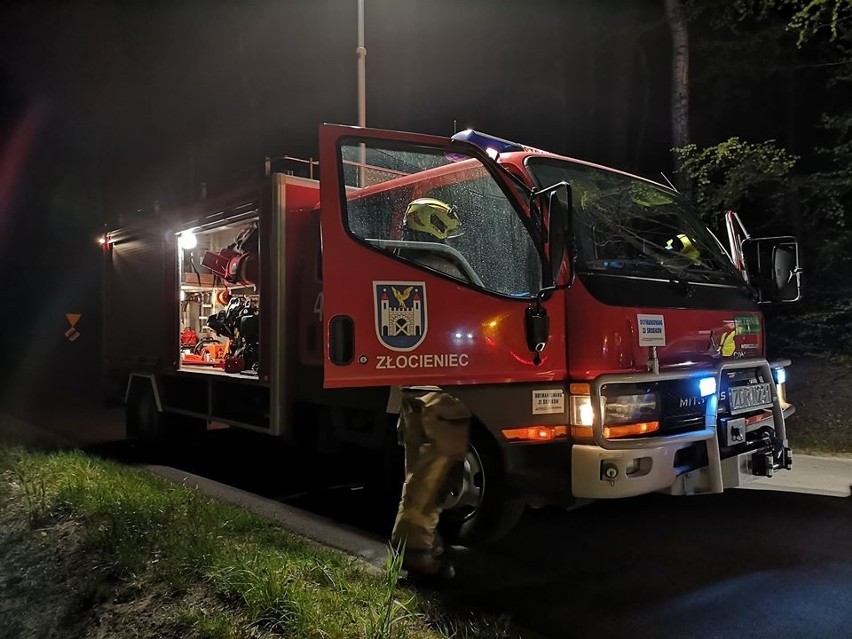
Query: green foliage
{"points": [[738, 175], [816, 16], [217, 625], [29, 481], [806, 18], [388, 618]]}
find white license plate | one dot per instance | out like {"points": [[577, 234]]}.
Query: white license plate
{"points": [[748, 397]]}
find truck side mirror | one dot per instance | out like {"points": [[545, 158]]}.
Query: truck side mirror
{"points": [[773, 268], [559, 229]]}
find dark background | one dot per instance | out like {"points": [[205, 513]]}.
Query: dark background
{"points": [[107, 107]]}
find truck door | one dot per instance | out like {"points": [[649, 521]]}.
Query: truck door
{"points": [[429, 263]]}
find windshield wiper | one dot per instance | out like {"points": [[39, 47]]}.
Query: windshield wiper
{"points": [[644, 261]]}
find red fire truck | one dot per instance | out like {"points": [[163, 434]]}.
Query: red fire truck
{"points": [[607, 343]]}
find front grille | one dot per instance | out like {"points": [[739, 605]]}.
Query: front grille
{"points": [[682, 406]]}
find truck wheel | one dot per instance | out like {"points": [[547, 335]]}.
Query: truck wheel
{"points": [[481, 507], [141, 418]]}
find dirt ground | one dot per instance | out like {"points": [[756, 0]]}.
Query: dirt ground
{"points": [[53, 587]]}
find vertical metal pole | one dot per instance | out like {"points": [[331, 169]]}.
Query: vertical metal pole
{"points": [[362, 68], [362, 89]]}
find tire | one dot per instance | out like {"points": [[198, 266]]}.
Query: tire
{"points": [[484, 508], [141, 417]]}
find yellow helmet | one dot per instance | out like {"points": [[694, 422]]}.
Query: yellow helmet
{"points": [[437, 218], [683, 245]]}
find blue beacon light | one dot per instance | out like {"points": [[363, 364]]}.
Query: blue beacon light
{"points": [[491, 144]]}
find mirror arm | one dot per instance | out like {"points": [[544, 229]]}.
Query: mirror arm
{"points": [[543, 295], [549, 189]]}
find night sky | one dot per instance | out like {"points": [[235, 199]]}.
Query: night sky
{"points": [[148, 100]]}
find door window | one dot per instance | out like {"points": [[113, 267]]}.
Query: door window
{"points": [[443, 212]]}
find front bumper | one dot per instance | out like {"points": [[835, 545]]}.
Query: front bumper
{"points": [[685, 463]]}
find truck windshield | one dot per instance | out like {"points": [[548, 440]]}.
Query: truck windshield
{"points": [[628, 226]]}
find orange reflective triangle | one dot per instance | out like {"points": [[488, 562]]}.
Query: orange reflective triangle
{"points": [[73, 318]]}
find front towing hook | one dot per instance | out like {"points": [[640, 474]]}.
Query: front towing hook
{"points": [[765, 462]]}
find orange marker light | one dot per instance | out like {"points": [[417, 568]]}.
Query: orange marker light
{"points": [[630, 430], [535, 433], [579, 389], [582, 432]]}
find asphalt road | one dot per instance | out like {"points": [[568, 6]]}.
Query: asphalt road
{"points": [[742, 564]]}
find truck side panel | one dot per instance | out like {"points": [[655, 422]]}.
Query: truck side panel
{"points": [[137, 312]]}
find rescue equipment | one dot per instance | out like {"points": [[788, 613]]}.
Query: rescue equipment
{"points": [[236, 263], [239, 322]]}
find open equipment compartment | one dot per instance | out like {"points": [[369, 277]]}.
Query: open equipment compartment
{"points": [[219, 296]]}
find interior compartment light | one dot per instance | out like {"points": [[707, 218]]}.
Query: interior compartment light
{"points": [[630, 430], [707, 386], [535, 433], [780, 375], [187, 240]]}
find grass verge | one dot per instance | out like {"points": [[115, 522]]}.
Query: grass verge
{"points": [[216, 571]]}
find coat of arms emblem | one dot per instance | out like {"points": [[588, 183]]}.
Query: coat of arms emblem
{"points": [[401, 320]]}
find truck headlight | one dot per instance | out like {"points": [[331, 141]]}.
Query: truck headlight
{"points": [[631, 415]]}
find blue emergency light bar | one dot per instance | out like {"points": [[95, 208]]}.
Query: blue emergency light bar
{"points": [[491, 144]]}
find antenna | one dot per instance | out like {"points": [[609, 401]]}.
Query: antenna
{"points": [[362, 92]]}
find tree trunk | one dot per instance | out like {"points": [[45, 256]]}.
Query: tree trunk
{"points": [[680, 83]]}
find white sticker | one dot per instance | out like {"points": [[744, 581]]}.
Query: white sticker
{"points": [[548, 401], [652, 330]]}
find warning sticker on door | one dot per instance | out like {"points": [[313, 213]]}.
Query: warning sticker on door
{"points": [[652, 330], [548, 401]]}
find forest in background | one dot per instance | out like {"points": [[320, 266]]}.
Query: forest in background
{"points": [[792, 61]]}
